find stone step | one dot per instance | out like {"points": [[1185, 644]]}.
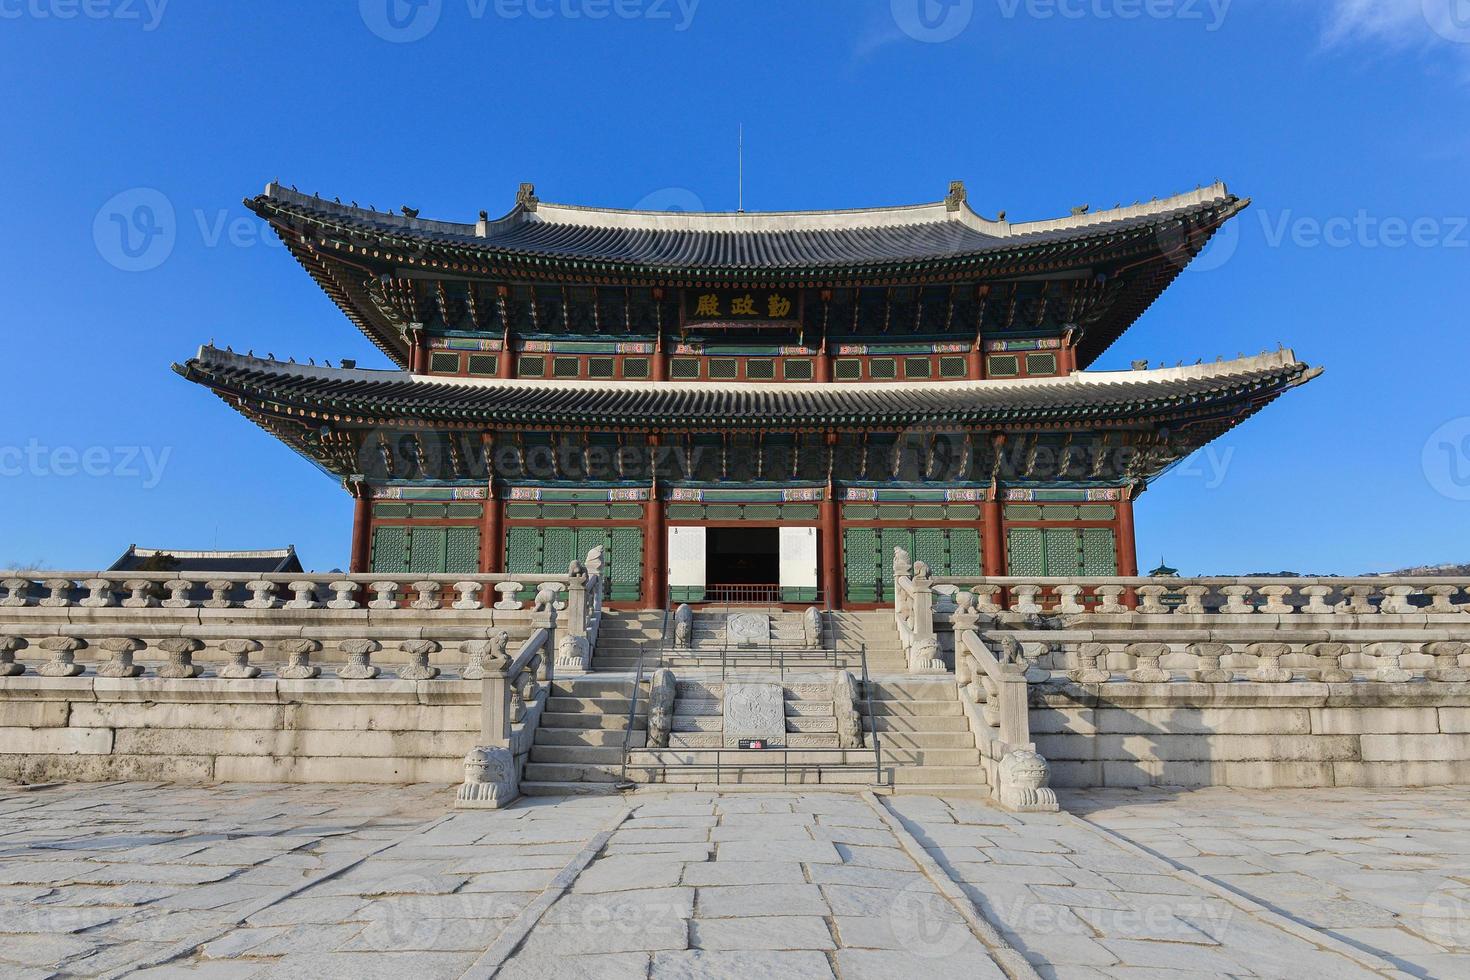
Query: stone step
{"points": [[697, 723], [912, 709], [926, 740], [587, 736], [566, 772], [963, 758], [917, 723], [909, 690], [592, 686], [555, 719], [809, 709], [579, 754], [602, 706], [953, 775], [538, 788], [696, 707], [798, 723]]}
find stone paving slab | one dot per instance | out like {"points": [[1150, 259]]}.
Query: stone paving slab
{"points": [[369, 881], [1385, 870]]}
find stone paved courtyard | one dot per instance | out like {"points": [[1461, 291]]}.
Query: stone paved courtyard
{"points": [[357, 881]]}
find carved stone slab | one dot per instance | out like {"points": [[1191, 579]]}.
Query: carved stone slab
{"points": [[754, 711], [748, 629]]}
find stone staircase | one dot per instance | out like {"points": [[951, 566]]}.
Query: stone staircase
{"points": [[926, 742], [623, 633]]}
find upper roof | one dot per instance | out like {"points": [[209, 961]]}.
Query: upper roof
{"points": [[702, 243], [275, 560]]}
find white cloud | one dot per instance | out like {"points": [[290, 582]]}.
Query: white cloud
{"points": [[1400, 23]]}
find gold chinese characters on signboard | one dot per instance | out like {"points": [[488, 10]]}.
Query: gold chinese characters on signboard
{"points": [[703, 305]]}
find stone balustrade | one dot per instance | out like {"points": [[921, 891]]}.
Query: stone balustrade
{"points": [[1182, 597]]}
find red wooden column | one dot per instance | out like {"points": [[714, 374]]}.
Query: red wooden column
{"points": [[362, 541], [660, 359], [823, 372], [1127, 543], [655, 536], [505, 368], [831, 533], [992, 533], [492, 534]]}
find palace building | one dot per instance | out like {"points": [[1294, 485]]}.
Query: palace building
{"points": [[745, 407]]}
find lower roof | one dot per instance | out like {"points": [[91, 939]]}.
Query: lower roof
{"points": [[261, 387]]}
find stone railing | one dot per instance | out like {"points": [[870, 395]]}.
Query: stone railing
{"points": [[512, 700], [1255, 597], [58, 624], [994, 694], [913, 609]]}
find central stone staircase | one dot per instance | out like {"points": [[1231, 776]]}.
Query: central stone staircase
{"points": [[924, 734]]}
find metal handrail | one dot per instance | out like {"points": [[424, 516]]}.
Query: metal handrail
{"points": [[785, 766], [872, 718], [623, 782]]}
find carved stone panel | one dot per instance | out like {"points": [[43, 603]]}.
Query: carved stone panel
{"points": [[749, 629], [754, 711]]}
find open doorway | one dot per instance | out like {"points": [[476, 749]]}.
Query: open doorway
{"points": [[743, 563]]}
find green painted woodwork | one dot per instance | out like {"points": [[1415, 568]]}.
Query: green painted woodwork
{"points": [[535, 551], [403, 550], [1062, 551], [868, 556]]}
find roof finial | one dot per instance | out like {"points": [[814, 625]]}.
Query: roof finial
{"points": [[957, 195], [1080, 210], [740, 180], [526, 197], [409, 212]]}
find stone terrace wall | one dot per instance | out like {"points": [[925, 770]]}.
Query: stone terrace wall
{"points": [[209, 730], [1253, 735]]}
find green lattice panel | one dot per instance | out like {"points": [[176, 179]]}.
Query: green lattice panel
{"points": [[426, 548], [1027, 554], [1099, 551], [523, 551], [625, 568], [390, 550], [558, 550], [890, 538], [964, 552], [589, 538], [462, 551], [931, 548], [860, 560], [1063, 551]]}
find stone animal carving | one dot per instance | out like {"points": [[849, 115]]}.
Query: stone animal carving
{"points": [[1023, 778], [845, 695], [663, 692], [684, 627], [490, 779]]}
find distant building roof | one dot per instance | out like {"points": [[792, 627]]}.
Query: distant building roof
{"points": [[278, 560]]}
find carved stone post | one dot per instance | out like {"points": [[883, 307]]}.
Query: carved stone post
{"points": [[1110, 600], [1148, 656], [1194, 599], [101, 593], [468, 595], [63, 662], [385, 595], [1023, 775], [359, 666], [845, 696], [1237, 600], [122, 649], [180, 650], [1447, 654], [58, 593], [1069, 600], [144, 594], [344, 595], [1268, 656], [1092, 664], [9, 646], [418, 669], [304, 595], [1331, 656], [299, 666], [1024, 599], [1276, 603], [219, 594], [491, 777], [1389, 657], [1317, 600], [1210, 658], [428, 595], [262, 595], [240, 667], [484, 655], [1151, 600], [178, 594], [17, 592]]}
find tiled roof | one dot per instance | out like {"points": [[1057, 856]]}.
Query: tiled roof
{"points": [[1236, 387], [705, 242]]}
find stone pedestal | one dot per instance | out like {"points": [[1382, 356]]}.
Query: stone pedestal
{"points": [[490, 780]]}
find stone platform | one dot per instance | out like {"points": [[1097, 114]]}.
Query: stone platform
{"points": [[366, 881]]}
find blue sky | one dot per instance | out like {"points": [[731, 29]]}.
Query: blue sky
{"points": [[1345, 120]]}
